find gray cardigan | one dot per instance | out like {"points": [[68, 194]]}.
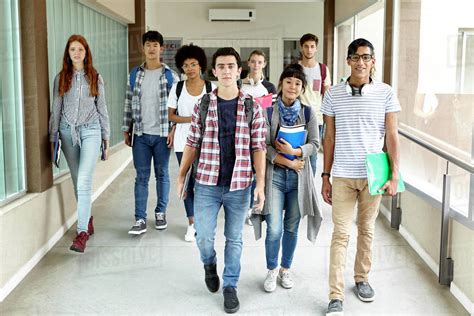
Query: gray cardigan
{"points": [[307, 197]]}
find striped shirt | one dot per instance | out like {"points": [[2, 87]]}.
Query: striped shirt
{"points": [[360, 124], [132, 107], [78, 107], [245, 142]]}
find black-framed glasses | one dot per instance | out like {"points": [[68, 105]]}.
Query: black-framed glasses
{"points": [[365, 57]]}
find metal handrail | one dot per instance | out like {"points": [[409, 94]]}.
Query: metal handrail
{"points": [[438, 151]]}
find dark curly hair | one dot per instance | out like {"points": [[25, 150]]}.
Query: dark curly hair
{"points": [[190, 51]]}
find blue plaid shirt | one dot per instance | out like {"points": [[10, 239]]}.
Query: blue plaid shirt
{"points": [[132, 107]]}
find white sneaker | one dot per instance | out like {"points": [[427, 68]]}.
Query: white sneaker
{"points": [[270, 281], [190, 234], [285, 279]]}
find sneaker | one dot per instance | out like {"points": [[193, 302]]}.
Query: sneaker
{"points": [[211, 278], [285, 279], [231, 301], [335, 308], [79, 243], [139, 228], [365, 291], [90, 227], [190, 233], [160, 222], [270, 281]]}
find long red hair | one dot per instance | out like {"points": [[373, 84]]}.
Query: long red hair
{"points": [[65, 76]]}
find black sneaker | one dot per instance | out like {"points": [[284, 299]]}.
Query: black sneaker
{"points": [[139, 228], [211, 278], [335, 308], [231, 301], [160, 222], [365, 291]]}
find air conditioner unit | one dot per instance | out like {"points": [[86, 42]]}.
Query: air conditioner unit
{"points": [[245, 15]]}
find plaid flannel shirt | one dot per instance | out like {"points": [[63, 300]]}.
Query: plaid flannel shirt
{"points": [[132, 108], [246, 142]]}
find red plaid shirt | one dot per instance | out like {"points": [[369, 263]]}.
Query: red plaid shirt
{"points": [[245, 143]]}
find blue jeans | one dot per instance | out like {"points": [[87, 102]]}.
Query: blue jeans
{"points": [[144, 148], [208, 199], [189, 201], [81, 162], [314, 158], [284, 197]]}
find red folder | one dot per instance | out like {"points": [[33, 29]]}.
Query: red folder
{"points": [[265, 101]]}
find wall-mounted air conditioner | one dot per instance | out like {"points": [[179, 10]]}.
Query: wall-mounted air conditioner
{"points": [[245, 15]]}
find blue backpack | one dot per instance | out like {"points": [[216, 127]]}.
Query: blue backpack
{"points": [[168, 74]]}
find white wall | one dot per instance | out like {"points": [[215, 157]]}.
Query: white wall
{"points": [[120, 10], [345, 9], [274, 21]]}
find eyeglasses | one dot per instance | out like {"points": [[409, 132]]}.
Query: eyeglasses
{"points": [[193, 65], [365, 57]]}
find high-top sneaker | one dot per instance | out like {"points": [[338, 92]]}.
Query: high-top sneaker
{"points": [[79, 243]]}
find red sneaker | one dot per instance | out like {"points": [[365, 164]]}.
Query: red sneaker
{"points": [[79, 243], [90, 227]]}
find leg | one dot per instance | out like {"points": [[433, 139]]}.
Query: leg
{"points": [[235, 208], [189, 201], [291, 220], [71, 153], [161, 158], [368, 209], [208, 202], [142, 153], [275, 218], [90, 147], [343, 201]]}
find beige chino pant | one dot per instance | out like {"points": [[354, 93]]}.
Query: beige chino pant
{"points": [[345, 193]]}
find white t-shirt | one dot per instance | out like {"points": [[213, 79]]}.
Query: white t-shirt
{"points": [[185, 106], [312, 93], [257, 90], [360, 124]]}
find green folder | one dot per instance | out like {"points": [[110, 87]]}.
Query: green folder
{"points": [[378, 172]]}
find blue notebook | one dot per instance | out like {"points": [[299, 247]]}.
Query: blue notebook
{"points": [[295, 135]]}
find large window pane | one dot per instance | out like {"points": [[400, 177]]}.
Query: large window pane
{"points": [[108, 42], [12, 175]]}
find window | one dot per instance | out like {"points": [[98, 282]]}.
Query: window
{"points": [[12, 160]]}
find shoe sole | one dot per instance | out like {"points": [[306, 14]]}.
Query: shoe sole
{"points": [[365, 299], [231, 310], [137, 232], [270, 290], [161, 227], [76, 249], [285, 286], [335, 314], [189, 239]]}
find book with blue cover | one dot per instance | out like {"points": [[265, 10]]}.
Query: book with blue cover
{"points": [[57, 150], [295, 135], [379, 172]]}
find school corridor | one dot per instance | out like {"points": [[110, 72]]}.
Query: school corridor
{"points": [[158, 273]]}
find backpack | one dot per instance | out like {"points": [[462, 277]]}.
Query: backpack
{"points": [[168, 75], [323, 69]]}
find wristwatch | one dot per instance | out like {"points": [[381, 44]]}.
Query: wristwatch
{"points": [[325, 174]]}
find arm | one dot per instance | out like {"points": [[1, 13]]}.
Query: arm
{"points": [[173, 117], [103, 116], [55, 115], [393, 149], [259, 164], [328, 155], [127, 112]]}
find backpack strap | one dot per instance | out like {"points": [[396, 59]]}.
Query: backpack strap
{"points": [[248, 105], [179, 88], [323, 69], [133, 77], [208, 86], [169, 79]]}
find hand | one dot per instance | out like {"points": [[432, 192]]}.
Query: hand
{"points": [[179, 187], [297, 164], [391, 187], [170, 138], [326, 191], [282, 146], [126, 138], [105, 143], [258, 198]]}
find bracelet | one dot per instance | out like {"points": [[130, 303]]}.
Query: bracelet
{"points": [[325, 174]]}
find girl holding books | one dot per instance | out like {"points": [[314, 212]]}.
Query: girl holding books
{"points": [[191, 60], [289, 189], [79, 115]]}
